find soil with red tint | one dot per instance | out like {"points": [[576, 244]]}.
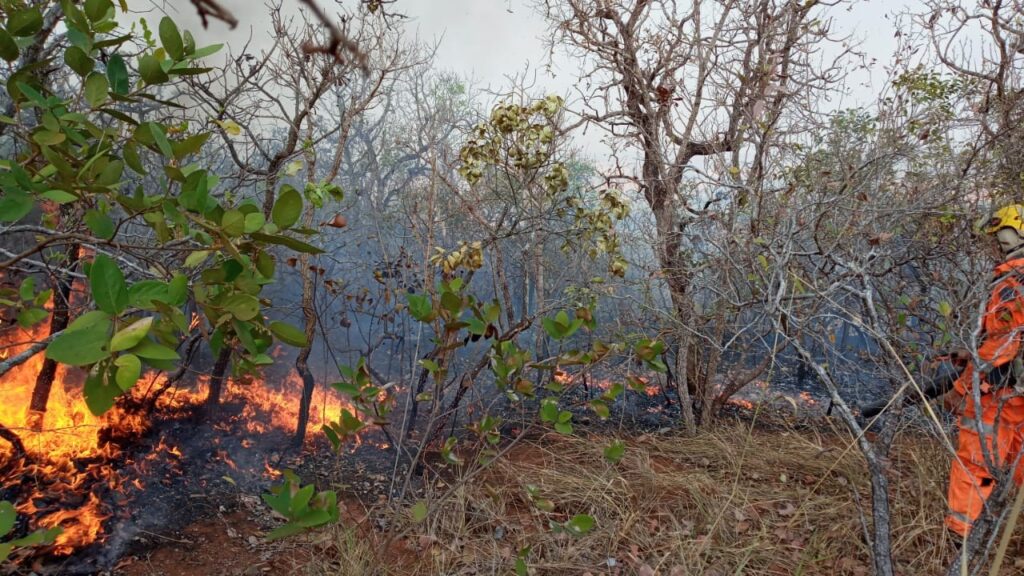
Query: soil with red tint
{"points": [[230, 545]]}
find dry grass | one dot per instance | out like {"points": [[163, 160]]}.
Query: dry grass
{"points": [[733, 500]]}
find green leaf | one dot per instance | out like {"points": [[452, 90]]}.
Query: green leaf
{"points": [[233, 222], [288, 334], [79, 61], [43, 297], [190, 145], [579, 525], [96, 88], [451, 302], [14, 205], [100, 224], [117, 73], [206, 51], [242, 306], [195, 191], [171, 38], [151, 72], [476, 326], [253, 222], [573, 327], [521, 568], [600, 408], [420, 307], [562, 318], [265, 264], [25, 22], [945, 308], [89, 321], [27, 290], [297, 245], [160, 137], [38, 537], [657, 366], [48, 137], [553, 329], [7, 517], [549, 409], [84, 342], [59, 196], [129, 369], [96, 10], [99, 394], [24, 89], [131, 157], [177, 290], [289, 529], [152, 351], [131, 335], [142, 294], [8, 47], [108, 285], [189, 43], [29, 317], [419, 512], [614, 451], [287, 208], [448, 451], [196, 258]]}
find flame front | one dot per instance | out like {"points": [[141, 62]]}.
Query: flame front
{"points": [[76, 467], [55, 442]]}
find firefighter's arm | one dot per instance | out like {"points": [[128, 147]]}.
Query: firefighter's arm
{"points": [[1004, 329]]}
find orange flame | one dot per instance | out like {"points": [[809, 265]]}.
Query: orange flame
{"points": [[67, 452]]}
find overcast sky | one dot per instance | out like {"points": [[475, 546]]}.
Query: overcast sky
{"points": [[491, 39]]}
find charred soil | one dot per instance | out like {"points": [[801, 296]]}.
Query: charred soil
{"points": [[742, 497]]}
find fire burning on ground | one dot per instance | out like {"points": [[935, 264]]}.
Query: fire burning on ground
{"points": [[79, 471]]}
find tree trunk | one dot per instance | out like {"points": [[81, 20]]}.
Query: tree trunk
{"points": [[451, 414], [414, 406], [15, 440], [302, 360], [683, 389], [539, 300], [882, 545], [690, 386], [220, 368], [59, 320], [306, 400]]}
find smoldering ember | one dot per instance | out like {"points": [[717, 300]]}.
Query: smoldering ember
{"points": [[544, 287]]}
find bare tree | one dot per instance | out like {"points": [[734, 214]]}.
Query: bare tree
{"points": [[705, 88]]}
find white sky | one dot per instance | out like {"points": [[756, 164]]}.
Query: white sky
{"points": [[489, 41]]}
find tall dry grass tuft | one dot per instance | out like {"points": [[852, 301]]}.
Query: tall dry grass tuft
{"points": [[732, 500]]}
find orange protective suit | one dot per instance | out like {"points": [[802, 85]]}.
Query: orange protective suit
{"points": [[970, 481]]}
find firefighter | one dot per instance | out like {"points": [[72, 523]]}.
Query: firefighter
{"points": [[999, 418]]}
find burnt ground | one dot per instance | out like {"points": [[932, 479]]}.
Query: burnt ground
{"points": [[200, 511], [185, 471], [747, 496]]}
